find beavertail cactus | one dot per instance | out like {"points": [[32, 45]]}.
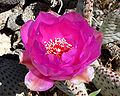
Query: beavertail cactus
{"points": [[114, 50], [111, 27], [77, 89], [107, 81]]}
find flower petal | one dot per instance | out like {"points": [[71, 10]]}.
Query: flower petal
{"points": [[24, 31], [87, 56], [85, 76], [69, 30], [99, 37], [49, 31], [47, 18], [39, 58], [74, 17], [68, 57], [37, 84], [25, 59], [35, 30]]}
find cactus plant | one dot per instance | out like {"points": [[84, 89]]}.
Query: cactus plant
{"points": [[108, 81]]}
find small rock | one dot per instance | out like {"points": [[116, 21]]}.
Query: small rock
{"points": [[16, 41], [5, 44], [33, 10], [3, 18], [28, 13], [12, 21], [21, 94], [9, 4]]}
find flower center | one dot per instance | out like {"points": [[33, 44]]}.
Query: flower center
{"points": [[57, 46]]}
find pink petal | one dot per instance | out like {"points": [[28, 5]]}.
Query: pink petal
{"points": [[42, 18], [74, 17], [49, 31], [25, 59], [85, 76], [35, 30], [35, 35], [55, 62], [57, 69], [87, 56], [45, 17], [98, 36], [54, 13], [78, 37], [63, 74], [82, 24], [24, 31], [37, 84], [68, 57], [69, 30], [39, 59]]}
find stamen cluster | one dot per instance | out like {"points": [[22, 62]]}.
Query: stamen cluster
{"points": [[57, 46]]}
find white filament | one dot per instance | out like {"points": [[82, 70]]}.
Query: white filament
{"points": [[55, 2]]}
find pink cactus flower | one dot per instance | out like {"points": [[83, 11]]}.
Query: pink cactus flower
{"points": [[58, 48]]}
